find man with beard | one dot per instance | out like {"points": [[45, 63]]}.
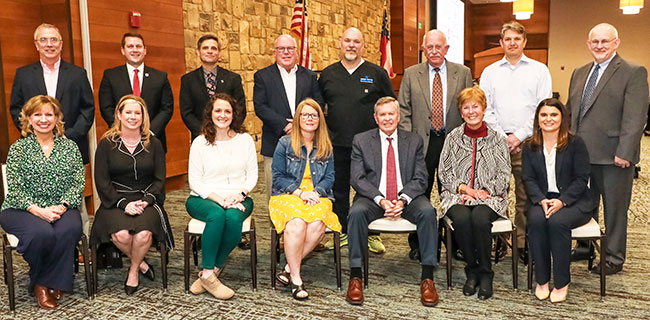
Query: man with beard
{"points": [[350, 89]]}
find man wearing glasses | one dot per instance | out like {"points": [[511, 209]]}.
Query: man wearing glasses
{"points": [[608, 101], [198, 86], [278, 89], [56, 78]]}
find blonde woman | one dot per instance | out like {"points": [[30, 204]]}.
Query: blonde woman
{"points": [[130, 179], [301, 201]]}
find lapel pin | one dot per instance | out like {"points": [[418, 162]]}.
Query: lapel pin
{"points": [[146, 75], [221, 80]]}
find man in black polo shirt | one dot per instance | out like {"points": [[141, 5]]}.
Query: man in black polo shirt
{"points": [[350, 89]]}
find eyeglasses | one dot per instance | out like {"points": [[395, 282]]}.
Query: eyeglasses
{"points": [[306, 116], [604, 42], [53, 40], [283, 49]]}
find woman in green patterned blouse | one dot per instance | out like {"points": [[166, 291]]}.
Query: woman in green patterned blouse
{"points": [[45, 175]]}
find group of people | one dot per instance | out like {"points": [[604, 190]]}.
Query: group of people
{"points": [[321, 136]]}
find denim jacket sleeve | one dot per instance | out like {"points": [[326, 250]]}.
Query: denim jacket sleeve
{"points": [[324, 186], [283, 180]]}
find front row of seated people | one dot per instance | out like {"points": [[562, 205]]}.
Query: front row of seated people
{"points": [[46, 178]]}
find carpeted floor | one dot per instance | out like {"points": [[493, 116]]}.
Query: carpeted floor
{"points": [[393, 291]]}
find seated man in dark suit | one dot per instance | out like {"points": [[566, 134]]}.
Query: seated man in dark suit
{"points": [[198, 86], [136, 78], [383, 190], [56, 78]]}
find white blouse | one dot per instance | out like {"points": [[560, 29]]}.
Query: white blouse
{"points": [[550, 169], [225, 168]]}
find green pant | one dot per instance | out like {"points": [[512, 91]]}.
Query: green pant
{"points": [[222, 228]]}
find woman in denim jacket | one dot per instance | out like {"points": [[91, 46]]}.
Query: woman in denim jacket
{"points": [[301, 201]]}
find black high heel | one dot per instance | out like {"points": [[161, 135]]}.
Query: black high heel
{"points": [[129, 290], [149, 274]]}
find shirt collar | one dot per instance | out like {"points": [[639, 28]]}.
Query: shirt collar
{"points": [[443, 67], [383, 136], [523, 59], [293, 70], [140, 68], [57, 64], [206, 71]]}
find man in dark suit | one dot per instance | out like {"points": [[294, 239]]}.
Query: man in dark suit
{"points": [[608, 101], [390, 183], [198, 86], [278, 90], [135, 77], [428, 105], [56, 78]]}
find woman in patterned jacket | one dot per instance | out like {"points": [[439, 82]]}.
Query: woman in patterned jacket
{"points": [[474, 172]]}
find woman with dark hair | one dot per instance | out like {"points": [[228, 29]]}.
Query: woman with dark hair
{"points": [[45, 177], [555, 165], [301, 201], [222, 172], [130, 178], [474, 172]]}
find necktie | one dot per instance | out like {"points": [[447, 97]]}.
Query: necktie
{"points": [[391, 173], [437, 115], [211, 86], [136, 83], [589, 91]]}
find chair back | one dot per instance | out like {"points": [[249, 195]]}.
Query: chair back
{"points": [[5, 186]]}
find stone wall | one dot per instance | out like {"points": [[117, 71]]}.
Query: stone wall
{"points": [[247, 31]]}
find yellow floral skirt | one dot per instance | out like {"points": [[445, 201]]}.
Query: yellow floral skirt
{"points": [[285, 207]]}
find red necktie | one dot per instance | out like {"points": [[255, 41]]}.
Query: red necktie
{"points": [[391, 173], [437, 121], [136, 83]]}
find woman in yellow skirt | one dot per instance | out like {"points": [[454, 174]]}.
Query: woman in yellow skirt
{"points": [[301, 201]]}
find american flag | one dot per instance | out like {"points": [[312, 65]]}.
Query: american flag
{"points": [[384, 47], [300, 28]]}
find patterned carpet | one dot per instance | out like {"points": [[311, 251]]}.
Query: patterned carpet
{"points": [[393, 291]]}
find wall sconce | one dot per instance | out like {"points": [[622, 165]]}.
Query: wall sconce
{"points": [[631, 6], [523, 9]]}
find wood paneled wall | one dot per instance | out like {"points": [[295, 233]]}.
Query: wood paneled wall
{"points": [[406, 35], [483, 27]]}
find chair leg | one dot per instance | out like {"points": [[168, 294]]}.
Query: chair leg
{"points": [[93, 254], [84, 254], [497, 245], [253, 241], [603, 258], [531, 269], [10, 274], [187, 240], [515, 260], [365, 267], [274, 255], [163, 264], [449, 254], [195, 249], [337, 259], [76, 260], [590, 261]]}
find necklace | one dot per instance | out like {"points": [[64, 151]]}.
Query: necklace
{"points": [[131, 145]]}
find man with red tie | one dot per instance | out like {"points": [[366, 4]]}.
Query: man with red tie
{"points": [[389, 176], [135, 78]]}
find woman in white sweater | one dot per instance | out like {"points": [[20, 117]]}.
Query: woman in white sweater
{"points": [[222, 171]]}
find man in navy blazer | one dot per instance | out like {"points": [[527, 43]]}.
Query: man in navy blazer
{"points": [[390, 177], [278, 90], [194, 85], [54, 77], [153, 87]]}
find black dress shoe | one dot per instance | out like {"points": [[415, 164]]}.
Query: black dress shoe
{"points": [[485, 286], [149, 274], [244, 244], [610, 268], [469, 289], [580, 253], [414, 254], [129, 290], [458, 255]]}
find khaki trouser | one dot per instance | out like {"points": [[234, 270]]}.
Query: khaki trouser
{"points": [[520, 202]]}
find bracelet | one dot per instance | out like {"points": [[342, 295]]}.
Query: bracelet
{"points": [[300, 195]]}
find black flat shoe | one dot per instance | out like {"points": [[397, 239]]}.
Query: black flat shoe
{"points": [[244, 244], [580, 253], [470, 285], [610, 268], [485, 286], [414, 254], [129, 290], [149, 274]]}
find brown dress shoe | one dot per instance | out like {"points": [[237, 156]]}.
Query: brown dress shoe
{"points": [[429, 293], [43, 298], [55, 293], [355, 292]]}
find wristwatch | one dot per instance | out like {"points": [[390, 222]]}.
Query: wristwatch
{"points": [[404, 201], [243, 194]]}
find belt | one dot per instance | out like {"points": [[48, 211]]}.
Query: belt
{"points": [[437, 133]]}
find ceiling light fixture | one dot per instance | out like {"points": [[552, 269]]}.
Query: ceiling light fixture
{"points": [[523, 9], [631, 6]]}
